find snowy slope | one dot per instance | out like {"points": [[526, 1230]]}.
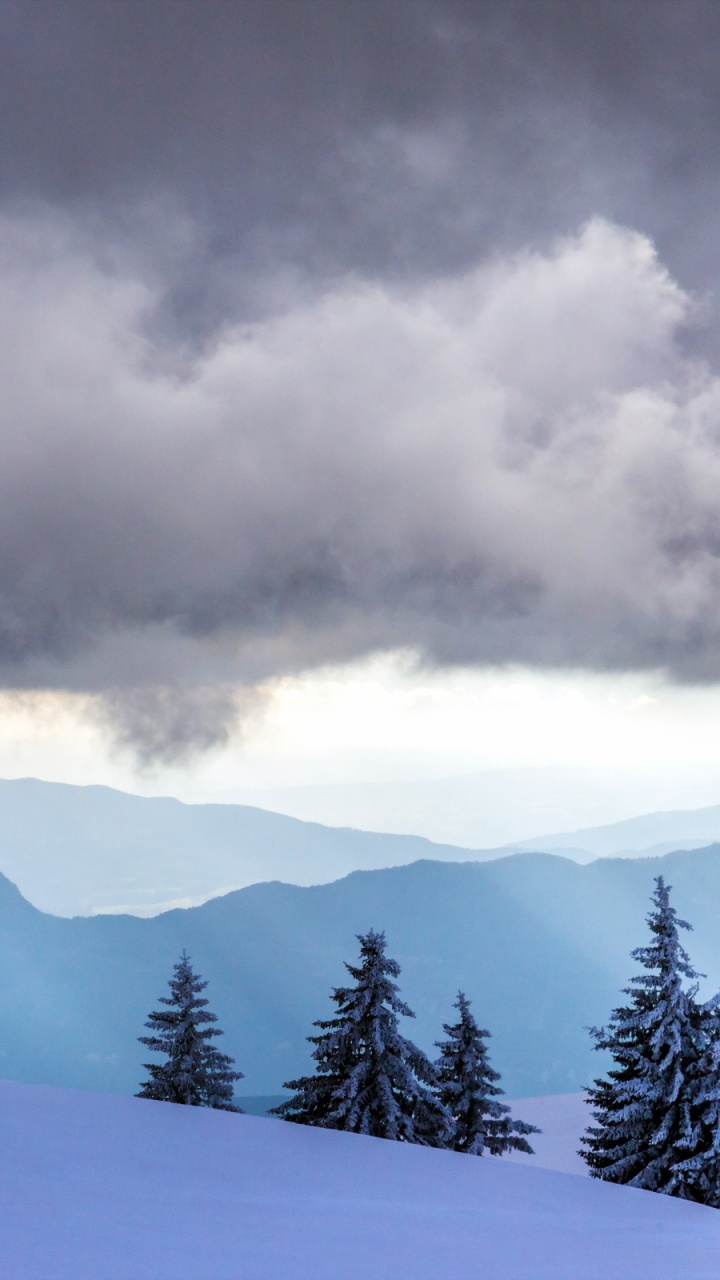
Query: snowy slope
{"points": [[108, 1188], [562, 1119]]}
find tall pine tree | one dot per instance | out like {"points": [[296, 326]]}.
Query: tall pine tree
{"points": [[698, 1168], [194, 1073], [644, 1129], [369, 1078], [468, 1088]]}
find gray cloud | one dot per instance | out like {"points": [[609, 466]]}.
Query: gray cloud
{"points": [[516, 463], [303, 356], [166, 724], [393, 137]]}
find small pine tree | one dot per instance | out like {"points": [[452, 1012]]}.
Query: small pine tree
{"points": [[468, 1088], [195, 1073], [644, 1129], [369, 1078]]}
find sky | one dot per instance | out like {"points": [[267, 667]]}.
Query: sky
{"points": [[361, 388]]}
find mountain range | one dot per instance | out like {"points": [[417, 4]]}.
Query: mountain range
{"points": [[648, 835], [493, 808], [539, 943], [81, 850]]}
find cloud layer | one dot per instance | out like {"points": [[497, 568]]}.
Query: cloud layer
{"points": [[400, 138], [514, 463], [303, 354]]}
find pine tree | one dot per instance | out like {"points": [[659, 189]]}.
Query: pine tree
{"points": [[468, 1088], [369, 1078], [644, 1129], [195, 1073], [698, 1172]]}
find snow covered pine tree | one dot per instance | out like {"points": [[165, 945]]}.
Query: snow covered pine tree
{"points": [[469, 1090], [369, 1078], [700, 1170], [645, 1135], [195, 1073]]}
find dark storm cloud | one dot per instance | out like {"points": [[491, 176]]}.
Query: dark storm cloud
{"points": [[384, 136], [295, 366], [167, 723]]}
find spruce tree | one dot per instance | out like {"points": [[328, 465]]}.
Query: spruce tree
{"points": [[643, 1108], [369, 1078], [468, 1088], [698, 1171], [194, 1073]]}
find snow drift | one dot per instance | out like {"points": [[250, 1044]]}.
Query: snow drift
{"points": [[113, 1188]]}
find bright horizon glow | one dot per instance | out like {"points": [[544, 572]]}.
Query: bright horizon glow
{"points": [[386, 719]]}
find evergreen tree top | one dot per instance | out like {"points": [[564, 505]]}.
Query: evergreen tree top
{"points": [[664, 954], [369, 1078], [468, 1088], [185, 986], [195, 1072], [375, 987]]}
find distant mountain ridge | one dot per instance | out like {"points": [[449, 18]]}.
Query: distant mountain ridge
{"points": [[497, 807], [81, 850], [648, 835], [539, 943]]}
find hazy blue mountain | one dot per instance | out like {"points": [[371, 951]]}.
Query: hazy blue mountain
{"points": [[496, 807], [648, 835], [77, 850], [539, 943], [80, 850]]}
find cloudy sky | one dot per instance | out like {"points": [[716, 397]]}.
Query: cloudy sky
{"points": [[361, 387]]}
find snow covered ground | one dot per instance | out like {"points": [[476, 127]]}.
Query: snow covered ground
{"points": [[112, 1188], [562, 1118]]}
